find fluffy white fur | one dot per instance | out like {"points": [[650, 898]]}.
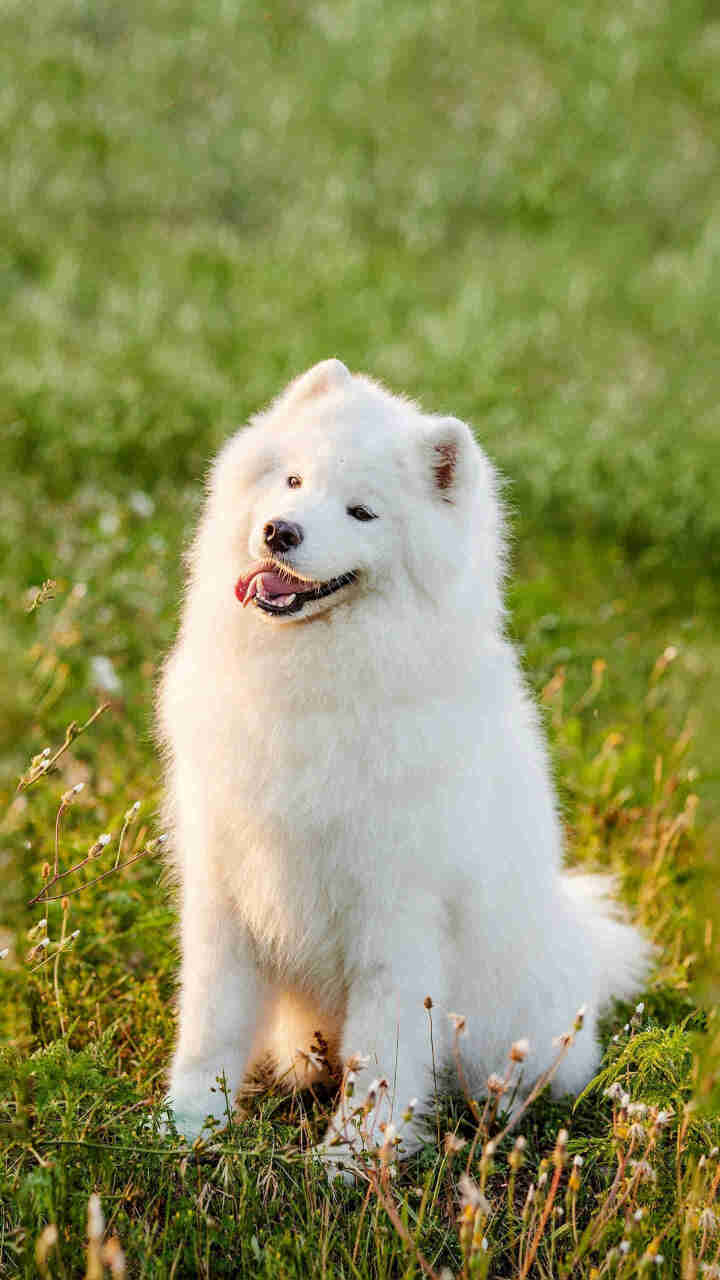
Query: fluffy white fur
{"points": [[361, 799]]}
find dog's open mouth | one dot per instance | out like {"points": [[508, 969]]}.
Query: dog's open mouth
{"points": [[276, 589]]}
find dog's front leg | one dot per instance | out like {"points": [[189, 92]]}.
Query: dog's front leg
{"points": [[221, 1001], [387, 1024]]}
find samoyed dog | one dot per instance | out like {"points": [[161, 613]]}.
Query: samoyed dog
{"points": [[359, 791]]}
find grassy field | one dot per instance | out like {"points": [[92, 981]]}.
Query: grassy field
{"points": [[510, 212]]}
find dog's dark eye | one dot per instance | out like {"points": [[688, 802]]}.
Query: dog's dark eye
{"points": [[361, 513], [294, 482]]}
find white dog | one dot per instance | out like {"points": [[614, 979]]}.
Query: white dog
{"points": [[360, 794]]}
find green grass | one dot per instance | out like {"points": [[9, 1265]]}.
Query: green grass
{"points": [[509, 211]]}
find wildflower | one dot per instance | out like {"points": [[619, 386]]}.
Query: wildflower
{"points": [[613, 1091], [141, 503], [496, 1084], [519, 1050], [389, 1135], [104, 674], [470, 1194], [358, 1061], [624, 1246], [67, 797], [310, 1058], [453, 1144], [96, 1218], [47, 1240], [637, 1109], [459, 1022], [640, 1008], [578, 1161], [638, 1215], [644, 1170], [114, 1258], [515, 1156], [663, 1117]]}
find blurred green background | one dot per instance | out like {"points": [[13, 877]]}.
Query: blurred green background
{"points": [[509, 211]]}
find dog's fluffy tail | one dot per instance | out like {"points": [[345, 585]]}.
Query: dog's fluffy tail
{"points": [[618, 955]]}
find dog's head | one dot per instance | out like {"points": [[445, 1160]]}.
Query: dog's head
{"points": [[341, 493]]}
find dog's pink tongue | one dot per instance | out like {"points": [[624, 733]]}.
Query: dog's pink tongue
{"points": [[268, 583]]}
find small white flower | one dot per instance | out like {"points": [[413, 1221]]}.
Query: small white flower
{"points": [[141, 503], [459, 1022], [624, 1246], [495, 1083], [637, 1109], [470, 1194], [104, 674], [614, 1091], [638, 1215], [104, 839], [663, 1117], [640, 1008], [519, 1050], [578, 1161], [96, 1218]]}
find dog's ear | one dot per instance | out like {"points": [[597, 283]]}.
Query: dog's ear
{"points": [[449, 449], [329, 375]]}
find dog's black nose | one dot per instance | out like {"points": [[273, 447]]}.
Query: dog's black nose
{"points": [[281, 535]]}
